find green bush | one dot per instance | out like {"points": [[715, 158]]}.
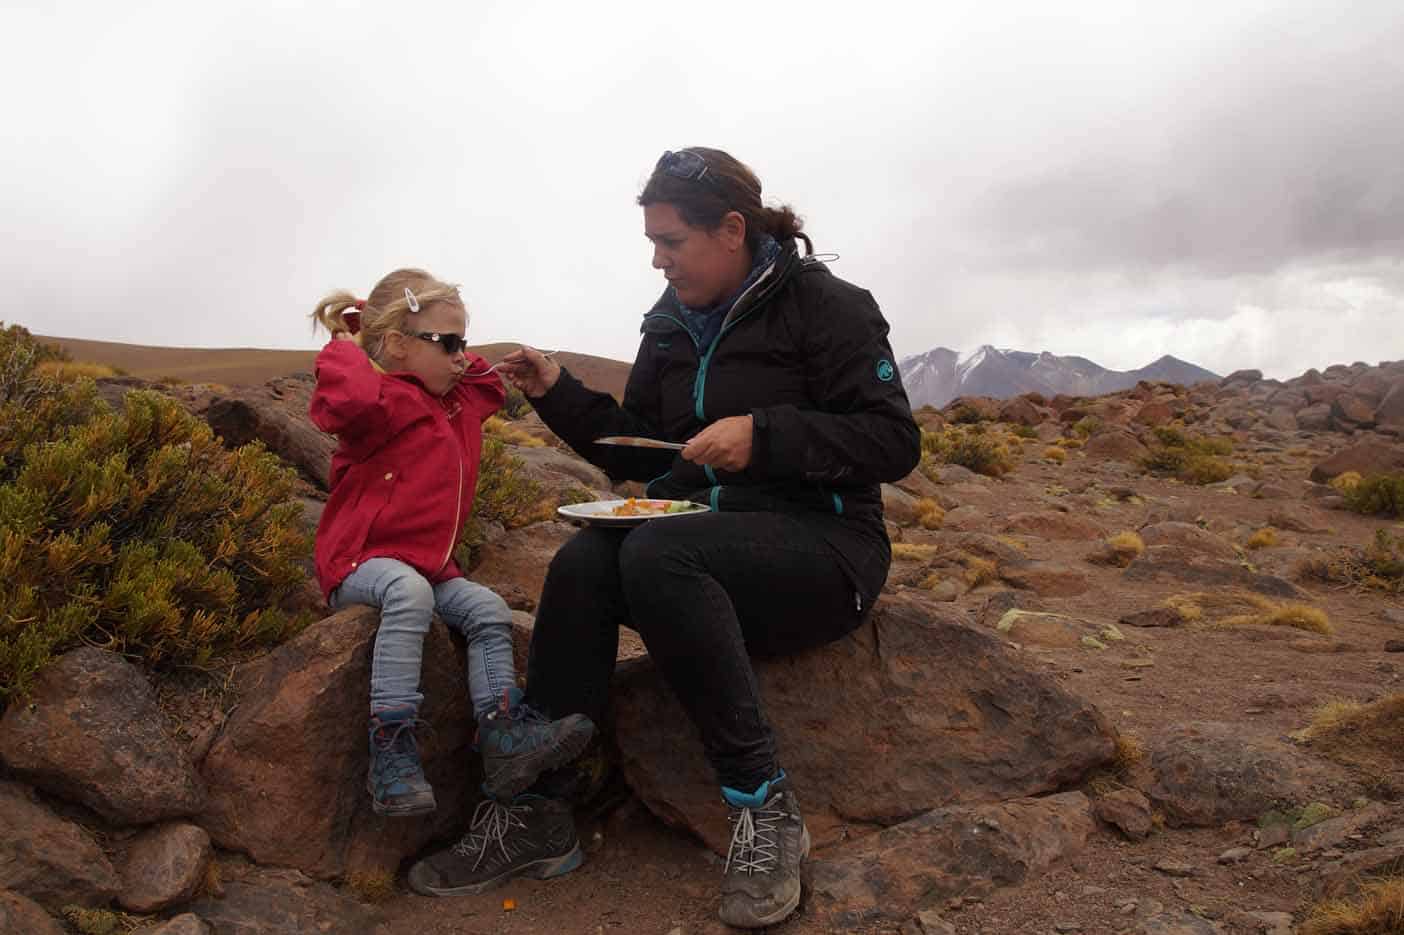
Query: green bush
{"points": [[968, 446], [1378, 566], [1192, 459], [506, 494], [1378, 495], [1084, 427], [516, 405], [136, 531]]}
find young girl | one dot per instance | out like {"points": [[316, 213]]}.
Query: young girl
{"points": [[407, 404]]}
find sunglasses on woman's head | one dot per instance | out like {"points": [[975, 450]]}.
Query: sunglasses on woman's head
{"points": [[451, 343], [685, 164]]}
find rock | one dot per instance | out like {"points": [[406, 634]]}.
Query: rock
{"points": [[1188, 536], [21, 915], [287, 775], [48, 859], [965, 519], [164, 867], [1264, 923], [1153, 414], [1365, 458], [918, 485], [1271, 491], [955, 474], [1235, 855], [1154, 617], [1051, 630], [1394, 646], [1046, 579], [558, 470], [1177, 922], [1051, 524], [1282, 419], [931, 923], [1338, 877], [1242, 378], [92, 734], [1390, 411], [972, 409], [1314, 418], [1127, 810], [1115, 444], [1324, 395], [898, 505], [1020, 411], [185, 924], [961, 851], [275, 414], [1295, 519], [1351, 410], [1173, 868], [965, 720], [520, 558], [1208, 773], [1394, 615], [282, 902], [1334, 832], [1160, 563]]}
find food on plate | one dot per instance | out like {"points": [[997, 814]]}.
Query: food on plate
{"points": [[636, 507]]}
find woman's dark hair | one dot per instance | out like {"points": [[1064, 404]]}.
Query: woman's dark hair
{"points": [[727, 185]]}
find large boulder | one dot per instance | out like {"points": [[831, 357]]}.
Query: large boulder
{"points": [[21, 915], [275, 414], [1350, 411], [912, 711], [1051, 524], [283, 902], [47, 858], [947, 852], [92, 733], [1188, 536], [516, 563], [1364, 458], [559, 470], [164, 866], [1390, 411], [1115, 444], [287, 775], [1177, 564], [1209, 773]]}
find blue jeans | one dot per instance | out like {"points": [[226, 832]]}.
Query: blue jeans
{"points": [[407, 603]]}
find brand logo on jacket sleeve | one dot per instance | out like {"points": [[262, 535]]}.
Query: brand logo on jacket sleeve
{"points": [[885, 370]]}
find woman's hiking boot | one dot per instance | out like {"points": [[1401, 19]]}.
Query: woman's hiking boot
{"points": [[519, 744], [396, 777], [761, 882], [528, 836]]}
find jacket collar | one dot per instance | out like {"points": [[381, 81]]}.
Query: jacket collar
{"points": [[664, 314]]}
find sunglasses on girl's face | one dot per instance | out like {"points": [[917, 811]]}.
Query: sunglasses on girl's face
{"points": [[451, 343]]}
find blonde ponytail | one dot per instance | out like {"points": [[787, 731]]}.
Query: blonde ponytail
{"points": [[330, 312]]}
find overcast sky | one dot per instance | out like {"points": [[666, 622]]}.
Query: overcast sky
{"points": [[1223, 182]]}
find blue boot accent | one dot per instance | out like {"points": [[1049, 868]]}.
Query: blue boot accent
{"points": [[396, 777], [738, 799]]}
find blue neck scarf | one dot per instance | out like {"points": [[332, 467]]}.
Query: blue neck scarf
{"points": [[704, 324]]}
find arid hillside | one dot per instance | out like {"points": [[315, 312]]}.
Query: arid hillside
{"points": [[248, 366]]}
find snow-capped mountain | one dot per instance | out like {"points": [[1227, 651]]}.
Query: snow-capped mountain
{"points": [[940, 375]]}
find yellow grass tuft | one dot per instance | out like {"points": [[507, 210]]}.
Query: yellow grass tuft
{"points": [[1125, 547], [911, 552], [67, 371], [929, 513], [1378, 909], [1347, 481], [504, 431], [978, 571], [1264, 538], [1130, 751], [1055, 454], [372, 887], [1240, 608]]}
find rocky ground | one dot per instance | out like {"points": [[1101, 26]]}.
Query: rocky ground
{"points": [[1036, 733]]}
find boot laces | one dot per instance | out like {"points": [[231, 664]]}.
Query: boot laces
{"points": [[399, 746], [491, 823], [755, 845]]}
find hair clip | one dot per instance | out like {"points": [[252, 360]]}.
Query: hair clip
{"points": [[413, 302]]}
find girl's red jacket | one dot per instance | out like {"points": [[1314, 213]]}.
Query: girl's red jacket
{"points": [[405, 467]]}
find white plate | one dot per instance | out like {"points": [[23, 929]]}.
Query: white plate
{"points": [[601, 512]]}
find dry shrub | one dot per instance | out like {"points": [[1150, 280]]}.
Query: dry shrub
{"points": [[372, 887], [1055, 454], [1346, 724], [1379, 566], [1070, 443], [1378, 909], [1130, 752], [1378, 495], [929, 513], [506, 494], [501, 429], [1084, 427], [67, 371], [931, 582], [911, 552], [1240, 608], [1189, 458], [1347, 481], [1124, 548], [978, 571], [969, 446], [1329, 717], [100, 921], [1264, 538]]}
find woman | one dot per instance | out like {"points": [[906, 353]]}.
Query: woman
{"points": [[779, 377]]}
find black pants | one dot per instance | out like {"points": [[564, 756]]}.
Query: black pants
{"points": [[703, 592]]}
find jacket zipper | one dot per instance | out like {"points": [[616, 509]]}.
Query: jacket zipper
{"points": [[453, 531], [699, 385]]}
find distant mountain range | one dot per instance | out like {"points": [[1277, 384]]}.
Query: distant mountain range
{"points": [[940, 375]]}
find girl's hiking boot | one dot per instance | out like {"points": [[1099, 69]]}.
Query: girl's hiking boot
{"points": [[761, 882], [519, 744], [528, 836], [396, 778]]}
